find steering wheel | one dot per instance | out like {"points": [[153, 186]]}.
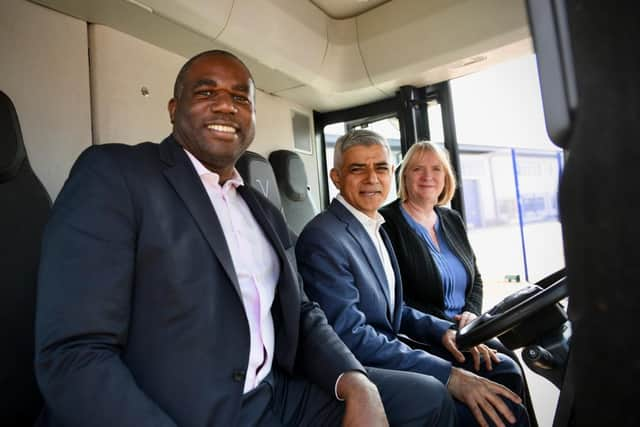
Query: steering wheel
{"points": [[508, 314]]}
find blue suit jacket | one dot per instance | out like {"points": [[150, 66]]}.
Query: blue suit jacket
{"points": [[139, 316], [343, 273]]}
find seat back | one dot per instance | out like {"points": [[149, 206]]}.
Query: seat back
{"points": [[24, 209], [293, 187], [257, 173]]}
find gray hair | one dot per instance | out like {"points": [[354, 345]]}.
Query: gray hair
{"points": [[357, 137]]}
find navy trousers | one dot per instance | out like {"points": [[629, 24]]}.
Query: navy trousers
{"points": [[409, 399]]}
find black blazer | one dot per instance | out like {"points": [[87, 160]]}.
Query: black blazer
{"points": [[421, 279], [139, 317]]}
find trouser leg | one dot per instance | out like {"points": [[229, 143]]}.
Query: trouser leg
{"points": [[409, 400], [412, 399], [526, 394], [507, 373], [466, 418]]}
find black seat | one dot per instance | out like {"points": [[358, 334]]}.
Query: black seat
{"points": [[24, 210], [256, 172], [293, 187]]}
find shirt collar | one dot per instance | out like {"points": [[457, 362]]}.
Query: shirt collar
{"points": [[235, 180], [364, 219]]}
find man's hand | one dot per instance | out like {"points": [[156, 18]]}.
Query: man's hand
{"points": [[482, 396], [488, 354], [363, 406], [464, 318]]}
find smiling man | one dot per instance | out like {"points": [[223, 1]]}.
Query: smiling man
{"points": [[168, 294], [349, 268]]}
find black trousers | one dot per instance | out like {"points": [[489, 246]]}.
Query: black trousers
{"points": [[409, 399]]}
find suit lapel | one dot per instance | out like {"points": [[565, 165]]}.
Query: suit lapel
{"points": [[182, 176], [396, 272], [357, 231]]}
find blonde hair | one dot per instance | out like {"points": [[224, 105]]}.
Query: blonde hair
{"points": [[417, 150]]}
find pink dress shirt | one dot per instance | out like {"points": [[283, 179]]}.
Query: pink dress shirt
{"points": [[256, 265]]}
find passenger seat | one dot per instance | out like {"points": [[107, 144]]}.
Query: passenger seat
{"points": [[293, 187], [256, 172], [25, 209]]}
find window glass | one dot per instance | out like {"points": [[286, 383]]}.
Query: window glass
{"points": [[510, 172]]}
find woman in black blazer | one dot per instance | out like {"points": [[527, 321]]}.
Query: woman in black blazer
{"points": [[437, 264]]}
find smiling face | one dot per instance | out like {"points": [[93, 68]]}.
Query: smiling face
{"points": [[213, 114], [364, 178], [425, 178]]}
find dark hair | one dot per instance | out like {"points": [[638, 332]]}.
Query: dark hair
{"points": [[177, 86]]}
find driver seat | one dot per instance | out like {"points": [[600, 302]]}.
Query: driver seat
{"points": [[25, 208]]}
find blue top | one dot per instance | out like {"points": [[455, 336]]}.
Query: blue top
{"points": [[452, 272]]}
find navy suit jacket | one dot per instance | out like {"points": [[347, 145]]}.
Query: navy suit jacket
{"points": [[342, 271], [139, 316]]}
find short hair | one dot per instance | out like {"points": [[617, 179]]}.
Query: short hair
{"points": [[179, 83], [416, 151], [357, 137]]}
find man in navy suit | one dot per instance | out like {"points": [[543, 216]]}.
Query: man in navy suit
{"points": [[349, 268], [168, 292]]}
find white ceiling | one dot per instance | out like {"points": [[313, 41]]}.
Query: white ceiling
{"points": [[341, 9], [297, 52]]}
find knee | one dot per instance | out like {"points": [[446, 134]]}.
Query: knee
{"points": [[439, 407], [520, 413], [507, 366], [508, 373]]}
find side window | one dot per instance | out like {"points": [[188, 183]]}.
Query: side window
{"points": [[510, 172], [389, 128]]}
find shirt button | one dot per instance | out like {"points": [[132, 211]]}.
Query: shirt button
{"points": [[238, 376]]}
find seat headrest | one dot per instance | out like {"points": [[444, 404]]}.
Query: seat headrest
{"points": [[12, 151], [290, 174], [256, 172]]}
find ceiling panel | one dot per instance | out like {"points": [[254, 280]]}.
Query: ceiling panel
{"points": [[341, 9]]}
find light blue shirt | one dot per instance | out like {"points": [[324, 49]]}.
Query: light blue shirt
{"points": [[452, 271]]}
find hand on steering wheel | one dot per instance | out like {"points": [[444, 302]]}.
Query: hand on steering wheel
{"points": [[495, 322], [464, 318], [478, 352]]}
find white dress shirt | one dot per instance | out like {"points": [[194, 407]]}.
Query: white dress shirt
{"points": [[372, 226], [256, 265]]}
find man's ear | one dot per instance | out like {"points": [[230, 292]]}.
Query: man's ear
{"points": [[172, 109], [335, 177]]}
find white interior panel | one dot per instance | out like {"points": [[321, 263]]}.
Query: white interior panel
{"points": [[427, 37], [121, 65], [285, 35], [45, 71], [293, 45]]}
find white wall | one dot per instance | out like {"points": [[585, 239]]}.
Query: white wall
{"points": [[122, 64], [75, 84], [45, 71]]}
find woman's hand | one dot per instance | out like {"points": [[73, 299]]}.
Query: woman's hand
{"points": [[464, 318], [478, 352]]}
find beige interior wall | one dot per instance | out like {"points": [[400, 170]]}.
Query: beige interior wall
{"points": [[121, 65], [44, 69]]}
